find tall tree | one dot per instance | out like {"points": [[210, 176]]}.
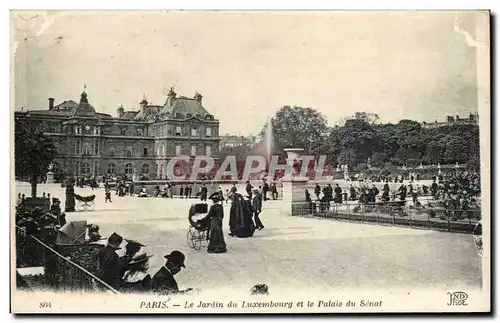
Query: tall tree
{"points": [[34, 152], [358, 141], [297, 127]]}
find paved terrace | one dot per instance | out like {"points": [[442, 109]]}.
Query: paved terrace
{"points": [[291, 252]]}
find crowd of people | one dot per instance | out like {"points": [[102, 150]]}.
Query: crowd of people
{"points": [[458, 191]]}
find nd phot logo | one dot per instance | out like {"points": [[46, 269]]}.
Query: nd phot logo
{"points": [[457, 299]]}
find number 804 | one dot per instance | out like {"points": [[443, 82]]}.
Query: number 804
{"points": [[45, 304]]}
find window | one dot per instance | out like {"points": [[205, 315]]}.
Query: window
{"points": [[111, 168], [85, 168], [209, 132], [178, 150], [178, 130], [77, 147], [129, 169], [123, 131], [208, 150], [86, 149], [112, 152], [161, 170], [162, 150], [96, 148], [145, 151], [129, 151], [157, 150], [193, 150], [139, 132], [194, 132], [145, 169]]}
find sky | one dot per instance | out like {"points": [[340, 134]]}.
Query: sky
{"points": [[247, 65]]}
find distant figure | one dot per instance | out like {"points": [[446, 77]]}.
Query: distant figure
{"points": [[204, 193], [182, 191], [257, 209], [317, 191], [70, 198], [144, 192], [248, 189]]}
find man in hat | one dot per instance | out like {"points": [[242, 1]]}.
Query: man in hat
{"points": [[257, 208], [131, 249], [248, 189], [109, 262], [204, 193], [163, 281]]}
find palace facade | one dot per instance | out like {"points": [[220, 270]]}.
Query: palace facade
{"points": [[90, 143]]}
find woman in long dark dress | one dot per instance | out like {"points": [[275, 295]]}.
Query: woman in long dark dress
{"points": [[216, 242], [70, 198], [241, 222]]}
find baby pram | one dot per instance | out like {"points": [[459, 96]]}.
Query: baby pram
{"points": [[199, 223]]}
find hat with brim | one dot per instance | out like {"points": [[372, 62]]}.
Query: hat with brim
{"points": [[142, 257], [214, 196], [130, 241], [115, 240], [176, 257]]}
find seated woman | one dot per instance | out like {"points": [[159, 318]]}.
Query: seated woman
{"points": [[143, 193], [136, 279]]}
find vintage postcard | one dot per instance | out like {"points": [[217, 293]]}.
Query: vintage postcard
{"points": [[250, 161]]}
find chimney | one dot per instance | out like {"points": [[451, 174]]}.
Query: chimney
{"points": [[120, 111], [51, 103]]}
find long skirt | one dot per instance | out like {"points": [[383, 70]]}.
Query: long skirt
{"points": [[216, 243]]}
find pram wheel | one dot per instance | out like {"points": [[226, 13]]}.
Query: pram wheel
{"points": [[196, 240], [203, 239]]}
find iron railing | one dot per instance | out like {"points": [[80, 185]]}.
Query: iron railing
{"points": [[60, 272], [393, 213]]}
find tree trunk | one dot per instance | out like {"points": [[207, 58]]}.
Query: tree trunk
{"points": [[34, 183]]}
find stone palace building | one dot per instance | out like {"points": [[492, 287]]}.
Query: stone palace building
{"points": [[90, 143]]}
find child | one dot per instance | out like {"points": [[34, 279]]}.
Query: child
{"points": [[108, 196]]}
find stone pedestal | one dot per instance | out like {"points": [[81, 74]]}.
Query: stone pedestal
{"points": [[294, 195], [299, 206], [50, 177]]}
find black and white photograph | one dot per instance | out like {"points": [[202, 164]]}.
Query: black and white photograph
{"points": [[169, 161]]}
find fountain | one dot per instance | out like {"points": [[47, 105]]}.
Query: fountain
{"points": [[268, 141]]}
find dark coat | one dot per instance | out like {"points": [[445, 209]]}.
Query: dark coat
{"points": [[109, 265], [204, 192], [164, 282]]}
